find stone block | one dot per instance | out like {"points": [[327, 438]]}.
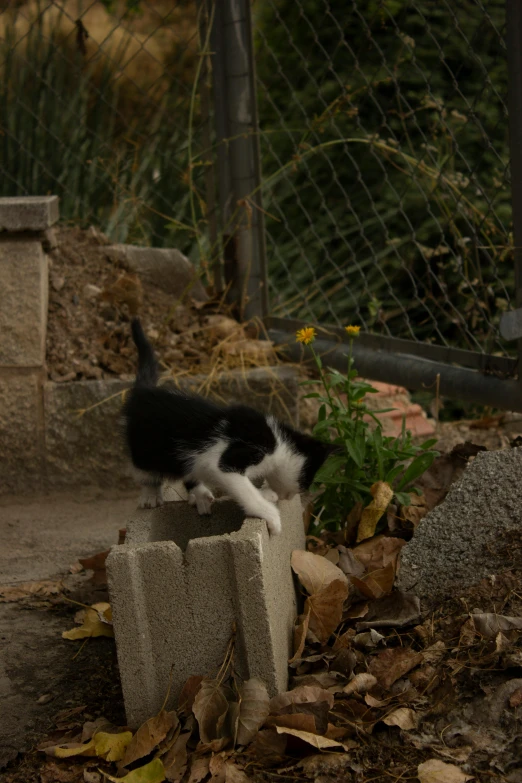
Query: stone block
{"points": [[21, 432], [28, 213], [23, 303], [88, 448], [165, 268], [179, 585], [470, 535]]}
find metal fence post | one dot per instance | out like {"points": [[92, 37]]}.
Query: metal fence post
{"points": [[514, 58], [239, 169]]}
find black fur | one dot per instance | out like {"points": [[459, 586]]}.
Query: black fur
{"points": [[165, 428]]}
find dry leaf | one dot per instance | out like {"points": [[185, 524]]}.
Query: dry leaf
{"points": [[378, 552], [152, 772], [42, 589], [368, 640], [382, 494], [321, 743], [307, 701], [305, 694], [377, 583], [188, 693], [348, 563], [175, 759], [297, 720], [315, 572], [326, 608], [253, 710], [361, 683], [97, 621], [96, 564], [210, 708], [403, 717], [269, 747], [300, 631], [490, 624], [233, 774], [217, 769], [515, 700], [390, 665], [436, 771], [392, 611], [199, 770], [149, 735]]}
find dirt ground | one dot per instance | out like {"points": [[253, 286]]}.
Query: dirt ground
{"points": [[91, 300]]}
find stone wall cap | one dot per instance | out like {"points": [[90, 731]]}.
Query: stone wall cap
{"points": [[28, 213]]}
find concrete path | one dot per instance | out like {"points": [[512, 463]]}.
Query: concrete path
{"points": [[39, 539]]}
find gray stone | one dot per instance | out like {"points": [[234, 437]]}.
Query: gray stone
{"points": [[165, 268], [467, 537], [179, 585], [83, 436], [23, 303], [21, 432], [28, 213]]}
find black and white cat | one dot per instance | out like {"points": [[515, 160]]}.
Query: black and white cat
{"points": [[175, 435]]}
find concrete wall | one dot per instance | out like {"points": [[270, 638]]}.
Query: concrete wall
{"points": [[52, 435]]}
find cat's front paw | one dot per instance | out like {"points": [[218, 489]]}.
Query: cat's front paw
{"points": [[202, 498], [269, 494], [273, 521]]}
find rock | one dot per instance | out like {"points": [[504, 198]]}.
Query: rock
{"points": [[91, 291], [167, 269], [467, 537]]}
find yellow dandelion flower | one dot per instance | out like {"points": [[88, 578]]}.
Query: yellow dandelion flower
{"points": [[352, 331], [306, 335]]}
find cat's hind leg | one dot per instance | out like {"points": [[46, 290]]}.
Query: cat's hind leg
{"points": [[200, 496]]}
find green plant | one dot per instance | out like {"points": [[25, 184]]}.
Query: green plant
{"points": [[366, 455]]}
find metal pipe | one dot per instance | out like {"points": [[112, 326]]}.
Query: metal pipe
{"points": [[412, 372], [514, 62], [238, 156]]}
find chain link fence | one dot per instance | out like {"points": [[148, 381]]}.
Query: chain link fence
{"points": [[95, 101], [385, 146], [323, 161]]}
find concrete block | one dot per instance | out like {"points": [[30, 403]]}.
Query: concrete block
{"points": [[165, 268], [469, 536], [21, 432], [179, 584], [23, 303], [89, 449], [28, 213], [83, 439]]}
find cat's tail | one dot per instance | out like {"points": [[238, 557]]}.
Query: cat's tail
{"points": [[147, 374]]}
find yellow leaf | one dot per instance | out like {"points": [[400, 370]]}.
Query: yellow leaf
{"points": [[97, 621], [72, 749], [382, 494], [152, 772], [111, 747]]}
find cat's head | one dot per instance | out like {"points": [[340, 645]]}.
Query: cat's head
{"points": [[303, 456]]}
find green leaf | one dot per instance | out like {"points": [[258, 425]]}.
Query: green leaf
{"points": [[419, 465], [403, 498], [428, 444]]}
